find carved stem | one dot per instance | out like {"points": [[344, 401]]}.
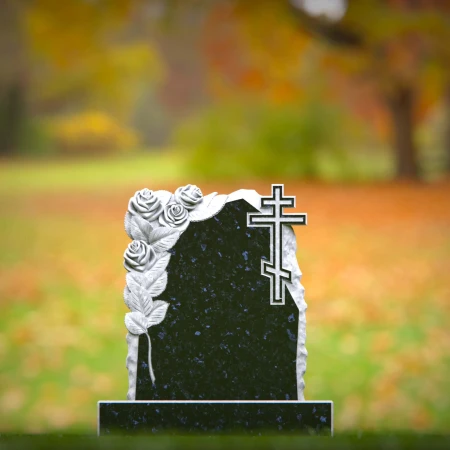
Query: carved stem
{"points": [[152, 375]]}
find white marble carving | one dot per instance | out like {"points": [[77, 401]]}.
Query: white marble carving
{"points": [[274, 219], [147, 257], [155, 220]]}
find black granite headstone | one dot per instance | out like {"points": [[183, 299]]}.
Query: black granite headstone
{"points": [[222, 357], [221, 339]]}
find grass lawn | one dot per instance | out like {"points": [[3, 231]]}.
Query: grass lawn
{"points": [[376, 264], [86, 174], [344, 441]]}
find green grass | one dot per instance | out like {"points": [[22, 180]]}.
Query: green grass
{"points": [[347, 442], [85, 174]]}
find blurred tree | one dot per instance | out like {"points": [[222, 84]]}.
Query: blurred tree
{"points": [[245, 56], [398, 48], [65, 57], [442, 60], [447, 128], [394, 44], [88, 52], [184, 88]]}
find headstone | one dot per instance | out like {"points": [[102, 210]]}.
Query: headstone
{"points": [[216, 328]]}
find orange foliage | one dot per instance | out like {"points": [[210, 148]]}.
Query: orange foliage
{"points": [[252, 79], [246, 57]]}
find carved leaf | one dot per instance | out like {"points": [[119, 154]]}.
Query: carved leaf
{"points": [[206, 210], [164, 196], [217, 203], [128, 228], [139, 300], [147, 278], [161, 263], [134, 279], [126, 295], [135, 231], [207, 198], [163, 238], [153, 281], [136, 323], [158, 313], [156, 287], [143, 226]]}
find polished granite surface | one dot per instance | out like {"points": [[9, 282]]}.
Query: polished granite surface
{"points": [[187, 418], [221, 339]]}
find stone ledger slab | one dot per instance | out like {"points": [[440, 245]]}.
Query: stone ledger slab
{"points": [[252, 418]]}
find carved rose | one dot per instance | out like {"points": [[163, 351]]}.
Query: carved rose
{"points": [[188, 196], [145, 204], [139, 256], [175, 216]]}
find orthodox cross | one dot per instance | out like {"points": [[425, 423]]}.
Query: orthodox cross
{"points": [[274, 219]]}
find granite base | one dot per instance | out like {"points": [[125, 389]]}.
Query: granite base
{"points": [[203, 417]]}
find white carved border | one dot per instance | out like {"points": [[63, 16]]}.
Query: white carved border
{"points": [[295, 288]]}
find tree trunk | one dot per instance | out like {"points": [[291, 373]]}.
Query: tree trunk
{"points": [[400, 102], [12, 115], [13, 76], [447, 129]]}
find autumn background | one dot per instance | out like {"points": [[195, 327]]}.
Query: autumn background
{"points": [[346, 102]]}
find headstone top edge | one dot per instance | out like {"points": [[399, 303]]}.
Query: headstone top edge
{"points": [[249, 195]]}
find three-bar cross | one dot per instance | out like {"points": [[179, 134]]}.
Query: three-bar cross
{"points": [[275, 219]]}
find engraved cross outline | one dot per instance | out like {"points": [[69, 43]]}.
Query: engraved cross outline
{"points": [[275, 219]]}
